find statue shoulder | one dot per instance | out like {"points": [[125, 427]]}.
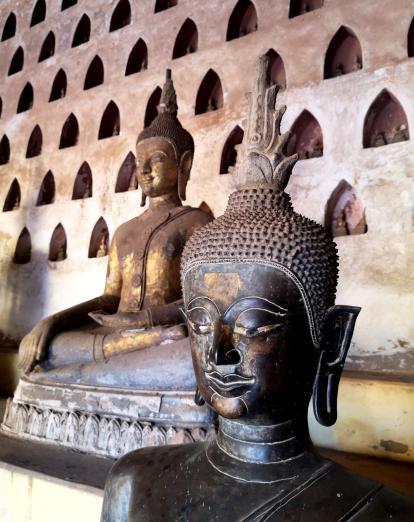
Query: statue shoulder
{"points": [[199, 217], [124, 230]]}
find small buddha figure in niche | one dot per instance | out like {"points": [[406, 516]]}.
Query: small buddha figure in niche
{"points": [[357, 63], [339, 70], [86, 182], [133, 182], [379, 139], [259, 288], [400, 134], [139, 307], [211, 105], [103, 249], [61, 253]]}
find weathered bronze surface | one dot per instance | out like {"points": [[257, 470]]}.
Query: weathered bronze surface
{"points": [[259, 287], [139, 309]]}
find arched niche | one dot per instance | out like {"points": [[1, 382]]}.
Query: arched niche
{"points": [[4, 150], [307, 138], [17, 62], [59, 86], [9, 29], [23, 251], [242, 21], [126, 179], [276, 70], [48, 47], [410, 40], [58, 244], [39, 13], [344, 213], [187, 39], [121, 15], [25, 102], [82, 187], [138, 58], [1, 106], [95, 74], [70, 132], [68, 3], [47, 190], [210, 94], [229, 153], [344, 54], [152, 106], [82, 31], [110, 122], [35, 143], [99, 243], [12, 201], [299, 7], [162, 5], [385, 122]]}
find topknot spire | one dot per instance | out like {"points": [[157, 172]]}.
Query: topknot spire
{"points": [[263, 151], [168, 101]]}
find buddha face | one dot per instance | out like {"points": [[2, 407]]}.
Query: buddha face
{"points": [[157, 167], [251, 349]]}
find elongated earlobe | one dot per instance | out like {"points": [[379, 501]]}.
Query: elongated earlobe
{"points": [[336, 339], [143, 199], [186, 162]]}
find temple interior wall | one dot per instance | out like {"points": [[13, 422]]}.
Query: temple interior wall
{"points": [[374, 267]]}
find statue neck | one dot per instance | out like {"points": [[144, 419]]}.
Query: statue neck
{"points": [[259, 444], [262, 453], [166, 201]]}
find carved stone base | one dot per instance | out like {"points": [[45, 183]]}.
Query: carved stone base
{"points": [[104, 421]]}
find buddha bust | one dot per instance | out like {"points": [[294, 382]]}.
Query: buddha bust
{"points": [[259, 288], [124, 356]]}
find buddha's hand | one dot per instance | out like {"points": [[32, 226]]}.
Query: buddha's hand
{"points": [[122, 319], [33, 347]]}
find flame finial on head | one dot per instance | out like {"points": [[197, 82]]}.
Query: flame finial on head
{"points": [[168, 101], [263, 151]]}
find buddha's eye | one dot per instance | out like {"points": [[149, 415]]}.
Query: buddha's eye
{"points": [[199, 320], [256, 322], [158, 158]]}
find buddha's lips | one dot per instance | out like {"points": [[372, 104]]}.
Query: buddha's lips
{"points": [[229, 382]]}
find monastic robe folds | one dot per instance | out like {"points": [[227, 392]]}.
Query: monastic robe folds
{"points": [[144, 259]]}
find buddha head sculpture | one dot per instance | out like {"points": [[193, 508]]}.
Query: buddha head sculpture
{"points": [[164, 150], [259, 287]]}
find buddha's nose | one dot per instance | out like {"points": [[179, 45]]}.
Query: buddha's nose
{"points": [[226, 354]]}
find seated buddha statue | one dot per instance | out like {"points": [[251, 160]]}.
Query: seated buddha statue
{"points": [[124, 354], [259, 287]]}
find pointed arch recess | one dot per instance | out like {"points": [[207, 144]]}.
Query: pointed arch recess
{"points": [[138, 58], [300, 7], [82, 187], [68, 3], [229, 153], [121, 15], [35, 143], [410, 40], [110, 122], [25, 102], [152, 106], [70, 132], [162, 5], [17, 62], [344, 54], [344, 213], [307, 138], [58, 244], [99, 242], [59, 86], [385, 122], [4, 150], [13, 198], [126, 179], [39, 13], [48, 47], [95, 74], [210, 93], [242, 21], [9, 29], [276, 70], [47, 190], [187, 39], [82, 31], [23, 251]]}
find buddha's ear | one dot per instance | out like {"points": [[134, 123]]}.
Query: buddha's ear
{"points": [[186, 162], [336, 338]]}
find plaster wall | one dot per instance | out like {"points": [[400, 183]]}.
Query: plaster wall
{"points": [[374, 267]]}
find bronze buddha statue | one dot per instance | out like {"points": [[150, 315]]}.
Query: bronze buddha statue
{"points": [[259, 287], [79, 363]]}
